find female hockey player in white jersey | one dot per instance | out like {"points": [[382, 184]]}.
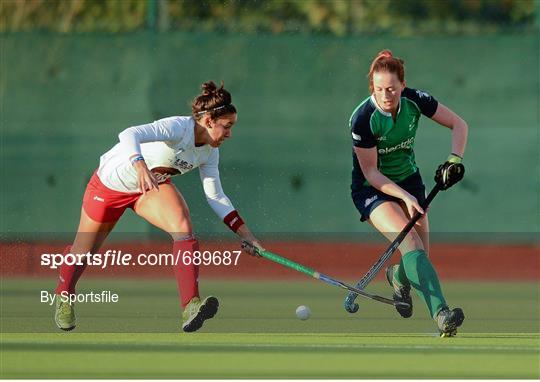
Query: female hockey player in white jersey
{"points": [[136, 173]]}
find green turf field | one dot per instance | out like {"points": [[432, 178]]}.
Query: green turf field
{"points": [[256, 335]]}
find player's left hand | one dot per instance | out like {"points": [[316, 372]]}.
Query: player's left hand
{"points": [[450, 172]]}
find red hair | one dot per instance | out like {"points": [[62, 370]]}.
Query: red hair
{"points": [[386, 62]]}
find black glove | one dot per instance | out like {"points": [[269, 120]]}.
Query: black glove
{"points": [[450, 172]]}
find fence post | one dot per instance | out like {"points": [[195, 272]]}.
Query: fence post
{"points": [[151, 14]]}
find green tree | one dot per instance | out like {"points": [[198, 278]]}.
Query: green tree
{"points": [[336, 17]]}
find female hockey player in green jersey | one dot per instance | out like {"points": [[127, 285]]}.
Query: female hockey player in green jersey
{"points": [[386, 185]]}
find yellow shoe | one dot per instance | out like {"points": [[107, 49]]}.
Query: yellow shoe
{"points": [[196, 312], [64, 314]]}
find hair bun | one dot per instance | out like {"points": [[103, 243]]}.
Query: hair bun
{"points": [[208, 88], [385, 54], [214, 100]]}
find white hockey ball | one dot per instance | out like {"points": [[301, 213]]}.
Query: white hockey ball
{"points": [[303, 312]]}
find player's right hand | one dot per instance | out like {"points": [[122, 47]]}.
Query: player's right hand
{"points": [[145, 179], [450, 172], [251, 247], [412, 205]]}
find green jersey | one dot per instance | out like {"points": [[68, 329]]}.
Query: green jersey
{"points": [[394, 140]]}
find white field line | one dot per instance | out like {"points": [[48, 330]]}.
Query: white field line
{"points": [[333, 346], [359, 346]]}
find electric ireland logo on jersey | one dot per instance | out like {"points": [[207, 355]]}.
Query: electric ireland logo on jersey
{"points": [[407, 144]]}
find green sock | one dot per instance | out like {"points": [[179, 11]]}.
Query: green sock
{"points": [[424, 280], [399, 274]]}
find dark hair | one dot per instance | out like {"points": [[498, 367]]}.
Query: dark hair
{"points": [[213, 101], [386, 62]]}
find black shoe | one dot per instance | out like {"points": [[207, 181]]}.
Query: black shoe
{"points": [[449, 320], [401, 293]]}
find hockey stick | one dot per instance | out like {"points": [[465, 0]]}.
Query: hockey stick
{"points": [[319, 276], [350, 305]]}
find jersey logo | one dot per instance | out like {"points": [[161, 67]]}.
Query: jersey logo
{"points": [[356, 137], [413, 123], [370, 200], [422, 94], [161, 177], [183, 165], [383, 138], [164, 173], [407, 144]]}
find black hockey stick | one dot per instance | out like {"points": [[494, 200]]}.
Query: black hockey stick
{"points": [[349, 303]]}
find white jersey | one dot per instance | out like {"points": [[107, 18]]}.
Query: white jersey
{"points": [[168, 148]]}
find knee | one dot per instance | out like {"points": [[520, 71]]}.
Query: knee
{"points": [[181, 228], [411, 242]]}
